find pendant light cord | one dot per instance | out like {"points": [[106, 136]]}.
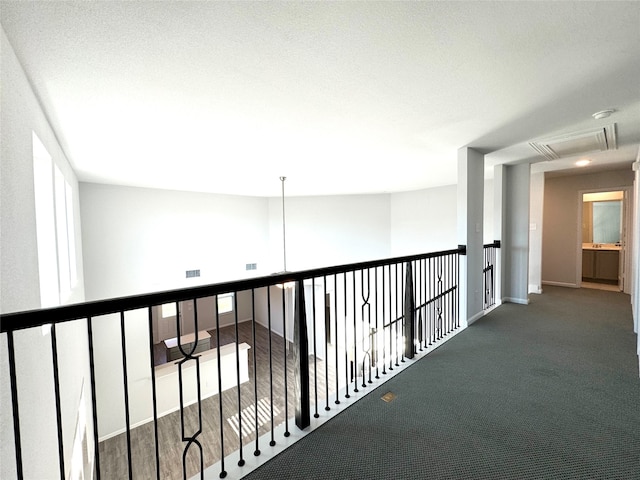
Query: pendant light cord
{"points": [[284, 237]]}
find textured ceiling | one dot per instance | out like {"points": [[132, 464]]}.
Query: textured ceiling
{"points": [[340, 97]]}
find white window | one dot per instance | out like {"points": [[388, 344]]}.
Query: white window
{"points": [[225, 303], [55, 228], [62, 234], [169, 310], [45, 225], [71, 237]]}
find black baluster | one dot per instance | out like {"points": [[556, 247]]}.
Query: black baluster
{"points": [[327, 322], [256, 452], [56, 388], [235, 311], [223, 472], [346, 340], [366, 313], [286, 371], [404, 333], [126, 394], [301, 357], [409, 314], [384, 340], [395, 317], [315, 346], [94, 407], [390, 321], [154, 401], [375, 338], [365, 353], [431, 303], [14, 402], [188, 356], [354, 363], [419, 300], [273, 440], [335, 314]]}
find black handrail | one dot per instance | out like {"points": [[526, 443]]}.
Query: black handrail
{"points": [[488, 274], [420, 291], [34, 318]]}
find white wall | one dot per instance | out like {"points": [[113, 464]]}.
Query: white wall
{"points": [[470, 225], [108, 369], [146, 248], [149, 247], [276, 299], [488, 228], [423, 221], [140, 240], [21, 116], [325, 231]]}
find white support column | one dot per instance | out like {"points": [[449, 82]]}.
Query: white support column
{"points": [[470, 213], [635, 254], [535, 232], [515, 236], [498, 225]]}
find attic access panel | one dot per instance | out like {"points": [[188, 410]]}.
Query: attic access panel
{"points": [[598, 139]]}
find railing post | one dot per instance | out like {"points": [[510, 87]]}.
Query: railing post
{"points": [[15, 404], [409, 314], [301, 359]]}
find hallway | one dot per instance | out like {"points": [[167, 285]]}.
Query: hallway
{"points": [[547, 390]]}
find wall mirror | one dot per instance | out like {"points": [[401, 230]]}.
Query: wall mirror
{"points": [[602, 217]]}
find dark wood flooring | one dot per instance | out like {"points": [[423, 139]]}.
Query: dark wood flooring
{"points": [[214, 441]]}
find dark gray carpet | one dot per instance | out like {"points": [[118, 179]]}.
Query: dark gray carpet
{"points": [[544, 391]]}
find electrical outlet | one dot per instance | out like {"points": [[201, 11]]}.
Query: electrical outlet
{"points": [[193, 273]]}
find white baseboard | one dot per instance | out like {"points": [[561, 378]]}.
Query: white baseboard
{"points": [[475, 318], [252, 462], [560, 284], [535, 289], [232, 322], [521, 301]]}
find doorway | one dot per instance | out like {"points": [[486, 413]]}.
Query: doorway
{"points": [[604, 220]]}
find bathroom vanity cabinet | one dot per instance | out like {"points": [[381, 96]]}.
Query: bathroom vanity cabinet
{"points": [[600, 264]]}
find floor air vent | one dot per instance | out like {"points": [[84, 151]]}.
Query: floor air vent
{"points": [[389, 397]]}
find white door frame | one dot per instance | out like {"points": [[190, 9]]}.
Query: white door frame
{"points": [[626, 240]]}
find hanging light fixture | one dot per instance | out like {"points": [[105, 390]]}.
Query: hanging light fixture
{"points": [[284, 232], [284, 240]]}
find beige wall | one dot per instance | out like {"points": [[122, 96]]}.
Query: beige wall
{"points": [[560, 225]]}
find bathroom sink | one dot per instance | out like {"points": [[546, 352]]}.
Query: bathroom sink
{"points": [[601, 246]]}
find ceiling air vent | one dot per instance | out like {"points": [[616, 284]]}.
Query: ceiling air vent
{"points": [[598, 139]]}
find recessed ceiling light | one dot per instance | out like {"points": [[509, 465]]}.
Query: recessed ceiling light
{"points": [[583, 163], [602, 114]]}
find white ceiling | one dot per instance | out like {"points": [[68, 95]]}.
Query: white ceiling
{"points": [[340, 97]]}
